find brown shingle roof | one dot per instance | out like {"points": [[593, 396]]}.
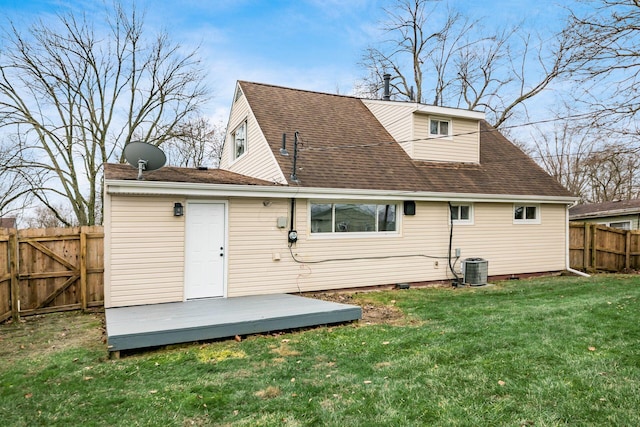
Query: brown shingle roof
{"points": [[605, 208], [345, 146], [175, 174]]}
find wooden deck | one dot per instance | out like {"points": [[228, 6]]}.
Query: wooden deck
{"points": [[196, 320]]}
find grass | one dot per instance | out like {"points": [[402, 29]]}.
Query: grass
{"points": [[544, 352]]}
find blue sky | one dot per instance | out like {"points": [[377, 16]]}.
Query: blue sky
{"points": [[306, 44]]}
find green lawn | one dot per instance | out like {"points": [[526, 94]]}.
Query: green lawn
{"points": [[543, 352]]}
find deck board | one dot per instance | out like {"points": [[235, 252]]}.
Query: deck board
{"points": [[196, 320]]}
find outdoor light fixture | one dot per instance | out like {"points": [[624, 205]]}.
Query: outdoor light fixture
{"points": [[178, 210]]}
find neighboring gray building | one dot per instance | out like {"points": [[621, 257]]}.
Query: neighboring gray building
{"points": [[7, 223], [622, 214]]}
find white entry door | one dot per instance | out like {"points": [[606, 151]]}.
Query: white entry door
{"points": [[205, 250]]}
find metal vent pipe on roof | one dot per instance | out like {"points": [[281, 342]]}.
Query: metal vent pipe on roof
{"points": [[387, 93]]}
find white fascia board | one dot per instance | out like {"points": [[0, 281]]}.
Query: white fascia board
{"points": [[432, 109], [148, 188]]}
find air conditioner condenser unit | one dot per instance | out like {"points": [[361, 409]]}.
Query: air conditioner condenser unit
{"points": [[475, 271]]}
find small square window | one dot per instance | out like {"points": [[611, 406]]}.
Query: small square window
{"points": [[439, 127], [526, 214], [461, 214]]}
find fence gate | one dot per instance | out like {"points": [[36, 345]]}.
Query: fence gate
{"points": [[48, 270]]}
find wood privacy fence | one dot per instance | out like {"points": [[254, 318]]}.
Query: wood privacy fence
{"points": [[52, 269], [595, 247]]}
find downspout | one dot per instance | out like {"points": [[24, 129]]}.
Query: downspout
{"points": [[567, 244], [451, 267]]}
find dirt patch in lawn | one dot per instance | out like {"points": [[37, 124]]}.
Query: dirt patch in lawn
{"points": [[371, 313], [41, 334]]}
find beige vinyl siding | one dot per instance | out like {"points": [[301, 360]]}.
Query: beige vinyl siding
{"points": [[463, 146], [397, 120], [411, 130], [514, 248], [258, 161], [254, 242], [146, 251]]}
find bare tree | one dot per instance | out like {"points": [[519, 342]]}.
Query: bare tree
{"points": [[563, 150], [613, 173], [196, 143], [467, 66], [605, 46], [15, 184], [43, 217], [74, 94]]}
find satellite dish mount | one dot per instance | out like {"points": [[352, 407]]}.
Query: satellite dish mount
{"points": [[144, 156], [142, 165]]}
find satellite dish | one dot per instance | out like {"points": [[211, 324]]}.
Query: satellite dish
{"points": [[144, 156]]}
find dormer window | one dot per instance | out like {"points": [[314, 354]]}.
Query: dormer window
{"points": [[240, 140], [439, 127]]}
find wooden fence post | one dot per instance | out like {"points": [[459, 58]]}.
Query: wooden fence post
{"points": [[587, 242], [14, 284], [83, 268], [594, 246], [627, 250]]}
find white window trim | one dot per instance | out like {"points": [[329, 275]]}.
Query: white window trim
{"points": [[537, 220], [441, 119], [233, 141], [356, 235], [469, 221]]}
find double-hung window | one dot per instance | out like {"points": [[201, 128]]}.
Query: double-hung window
{"points": [[353, 218], [240, 140], [439, 127], [526, 214], [462, 213]]}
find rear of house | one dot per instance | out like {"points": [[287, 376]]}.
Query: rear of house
{"points": [[373, 193]]}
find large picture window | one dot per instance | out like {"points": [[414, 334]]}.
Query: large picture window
{"points": [[353, 218]]}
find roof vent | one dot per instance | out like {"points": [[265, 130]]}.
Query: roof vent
{"points": [[387, 93]]}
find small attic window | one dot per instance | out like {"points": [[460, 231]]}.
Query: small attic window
{"points": [[439, 127], [240, 140], [238, 95]]}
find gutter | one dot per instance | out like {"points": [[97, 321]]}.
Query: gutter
{"points": [[199, 189]]}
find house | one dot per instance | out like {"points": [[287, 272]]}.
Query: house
{"points": [[622, 214], [319, 191], [7, 223]]}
